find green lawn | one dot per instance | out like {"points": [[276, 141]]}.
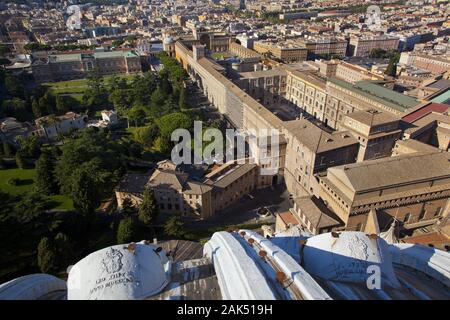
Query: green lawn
{"points": [[27, 176], [78, 86]]}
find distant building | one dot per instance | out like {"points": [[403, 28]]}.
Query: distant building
{"points": [[49, 127], [413, 188], [286, 52], [429, 124], [376, 132], [432, 63], [310, 214], [246, 40], [353, 73], [176, 189], [310, 151], [268, 86], [10, 128], [68, 66], [110, 116], [362, 46], [324, 46]]}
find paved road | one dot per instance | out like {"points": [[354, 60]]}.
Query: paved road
{"points": [[244, 211]]}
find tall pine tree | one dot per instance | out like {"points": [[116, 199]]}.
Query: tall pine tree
{"points": [[84, 194], [127, 207], [148, 210], [127, 231], [45, 178], [46, 255]]}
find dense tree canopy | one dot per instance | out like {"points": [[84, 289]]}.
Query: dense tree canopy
{"points": [[90, 152], [174, 227], [176, 120], [127, 208], [45, 177], [127, 231], [47, 255], [146, 135], [148, 210]]}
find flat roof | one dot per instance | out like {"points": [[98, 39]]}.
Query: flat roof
{"points": [[378, 93]]}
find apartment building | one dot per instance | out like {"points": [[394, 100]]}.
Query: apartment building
{"points": [[434, 63], [348, 72], [19, 39], [429, 127], [268, 86], [285, 51], [307, 91], [344, 98], [353, 73], [325, 46], [375, 131], [309, 214], [310, 151], [176, 190], [412, 188], [68, 66], [49, 127], [362, 46]]}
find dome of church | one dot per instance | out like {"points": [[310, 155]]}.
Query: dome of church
{"points": [[349, 257], [33, 287], [122, 272]]}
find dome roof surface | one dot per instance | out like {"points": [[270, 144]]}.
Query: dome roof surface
{"points": [[349, 257], [120, 272]]}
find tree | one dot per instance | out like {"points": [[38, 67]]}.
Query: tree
{"points": [[46, 255], [20, 160], [8, 150], [45, 179], [30, 146], [91, 151], [36, 108], [84, 193], [15, 108], [4, 50], [31, 207], [146, 135], [118, 42], [163, 144], [148, 210], [61, 105], [157, 98], [127, 231], [127, 208], [31, 46], [182, 98], [64, 249], [166, 87], [96, 94], [391, 69], [47, 104], [136, 115], [168, 123], [174, 227], [119, 94], [14, 86]]}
